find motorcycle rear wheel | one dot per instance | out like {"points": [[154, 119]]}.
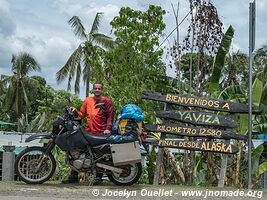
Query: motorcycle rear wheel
{"points": [[130, 175], [26, 165]]}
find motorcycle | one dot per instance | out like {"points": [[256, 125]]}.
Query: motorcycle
{"points": [[84, 153]]}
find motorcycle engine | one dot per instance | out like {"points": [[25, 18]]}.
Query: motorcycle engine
{"points": [[79, 160]]}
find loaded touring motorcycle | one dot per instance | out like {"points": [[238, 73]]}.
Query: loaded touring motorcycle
{"points": [[85, 152]]}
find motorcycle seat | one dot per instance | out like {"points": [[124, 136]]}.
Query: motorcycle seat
{"points": [[94, 140]]}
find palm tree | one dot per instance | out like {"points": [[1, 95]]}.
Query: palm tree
{"points": [[83, 60], [16, 96]]}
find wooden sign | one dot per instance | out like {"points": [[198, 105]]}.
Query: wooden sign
{"points": [[201, 102], [218, 147], [198, 118], [191, 131]]}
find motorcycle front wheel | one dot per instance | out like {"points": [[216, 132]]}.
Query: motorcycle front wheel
{"points": [[130, 175], [33, 166]]}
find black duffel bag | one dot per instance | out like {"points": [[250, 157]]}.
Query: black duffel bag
{"points": [[71, 140]]}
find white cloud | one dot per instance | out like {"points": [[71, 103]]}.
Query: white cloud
{"points": [[66, 7], [72, 8], [87, 12], [7, 25], [109, 10], [4, 6]]}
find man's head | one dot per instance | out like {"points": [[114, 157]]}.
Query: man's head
{"points": [[98, 89]]}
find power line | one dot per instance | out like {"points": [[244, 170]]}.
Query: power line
{"points": [[173, 30]]}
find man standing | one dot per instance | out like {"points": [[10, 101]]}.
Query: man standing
{"points": [[98, 111]]}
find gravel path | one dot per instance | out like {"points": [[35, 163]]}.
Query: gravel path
{"points": [[55, 190]]}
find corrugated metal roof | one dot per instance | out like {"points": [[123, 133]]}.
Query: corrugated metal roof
{"points": [[7, 123], [17, 149], [17, 140]]}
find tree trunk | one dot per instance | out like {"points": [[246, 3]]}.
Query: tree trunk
{"points": [[87, 87], [186, 164], [159, 156], [223, 170], [192, 165], [209, 168], [238, 161], [158, 166], [175, 165]]}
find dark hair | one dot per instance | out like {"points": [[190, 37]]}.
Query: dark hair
{"points": [[99, 84]]}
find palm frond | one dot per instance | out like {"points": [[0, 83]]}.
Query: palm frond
{"points": [[175, 85], [260, 119], [71, 74], [96, 23], [232, 91], [10, 96], [30, 81], [260, 128], [13, 61], [77, 81], [73, 60], [33, 125], [41, 121], [30, 62], [103, 40], [6, 80], [69, 83], [3, 77], [78, 27], [25, 63]]}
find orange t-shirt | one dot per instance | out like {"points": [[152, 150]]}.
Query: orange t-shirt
{"points": [[99, 114]]}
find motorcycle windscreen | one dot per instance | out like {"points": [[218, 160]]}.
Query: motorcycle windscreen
{"points": [[71, 140]]}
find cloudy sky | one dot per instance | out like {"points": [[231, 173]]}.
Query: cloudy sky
{"points": [[40, 27]]}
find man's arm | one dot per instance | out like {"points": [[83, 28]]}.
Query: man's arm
{"points": [[82, 111], [110, 113]]}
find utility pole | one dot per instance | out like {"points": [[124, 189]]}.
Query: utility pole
{"points": [[252, 14]]}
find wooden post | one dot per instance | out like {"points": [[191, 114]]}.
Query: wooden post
{"points": [[158, 165], [224, 163], [159, 155], [223, 168]]}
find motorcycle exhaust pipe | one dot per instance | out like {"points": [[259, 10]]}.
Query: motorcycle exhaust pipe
{"points": [[114, 169]]}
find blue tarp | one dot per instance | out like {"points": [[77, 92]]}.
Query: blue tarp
{"points": [[118, 139], [132, 111]]}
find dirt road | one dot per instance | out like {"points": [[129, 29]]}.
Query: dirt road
{"points": [[55, 190]]}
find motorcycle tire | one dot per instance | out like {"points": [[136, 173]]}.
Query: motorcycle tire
{"points": [[29, 158], [130, 175]]}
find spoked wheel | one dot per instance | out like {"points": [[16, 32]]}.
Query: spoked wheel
{"points": [[130, 174], [34, 167]]}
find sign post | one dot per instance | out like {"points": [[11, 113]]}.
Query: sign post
{"points": [[199, 125], [223, 165], [159, 156]]}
